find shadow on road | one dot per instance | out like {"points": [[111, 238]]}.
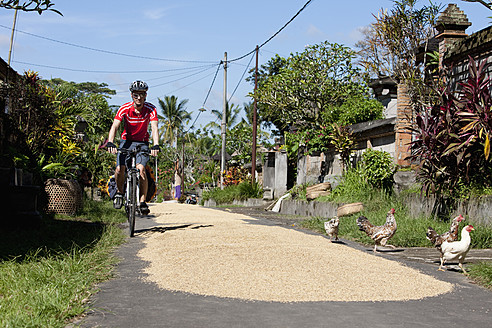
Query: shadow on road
{"points": [[161, 229]]}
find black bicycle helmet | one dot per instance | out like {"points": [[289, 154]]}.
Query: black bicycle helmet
{"points": [[139, 86]]}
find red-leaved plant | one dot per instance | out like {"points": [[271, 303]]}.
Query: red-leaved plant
{"points": [[452, 140]]}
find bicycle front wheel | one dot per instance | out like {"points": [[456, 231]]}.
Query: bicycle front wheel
{"points": [[132, 207]]}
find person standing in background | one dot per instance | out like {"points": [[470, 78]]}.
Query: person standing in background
{"points": [[178, 180]]}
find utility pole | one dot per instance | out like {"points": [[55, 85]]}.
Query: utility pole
{"points": [[223, 127], [253, 154], [12, 36]]}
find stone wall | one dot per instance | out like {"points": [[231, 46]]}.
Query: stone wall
{"points": [[476, 211]]}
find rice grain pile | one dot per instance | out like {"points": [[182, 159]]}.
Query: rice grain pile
{"points": [[211, 252]]}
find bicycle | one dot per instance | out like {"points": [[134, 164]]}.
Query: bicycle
{"points": [[132, 189]]}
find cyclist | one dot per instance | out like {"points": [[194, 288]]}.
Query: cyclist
{"points": [[136, 115]]}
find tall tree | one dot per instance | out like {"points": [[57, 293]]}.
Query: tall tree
{"points": [[174, 117], [248, 113], [310, 83], [265, 71], [84, 87], [232, 115], [391, 44]]}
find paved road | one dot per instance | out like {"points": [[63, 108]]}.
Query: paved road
{"points": [[128, 301]]}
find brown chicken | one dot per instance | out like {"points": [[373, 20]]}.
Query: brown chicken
{"points": [[380, 234], [451, 235]]}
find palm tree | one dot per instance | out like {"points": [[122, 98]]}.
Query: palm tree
{"points": [[173, 119], [232, 114], [248, 111]]}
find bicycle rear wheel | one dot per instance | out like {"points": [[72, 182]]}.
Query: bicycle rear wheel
{"points": [[132, 206]]}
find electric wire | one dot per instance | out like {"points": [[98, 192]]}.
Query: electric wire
{"points": [[275, 34], [206, 98], [160, 77], [241, 79], [213, 81], [181, 78], [169, 60], [112, 72], [185, 86], [107, 51]]}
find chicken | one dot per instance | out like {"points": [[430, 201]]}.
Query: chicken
{"points": [[380, 234], [331, 228], [452, 250], [450, 235]]}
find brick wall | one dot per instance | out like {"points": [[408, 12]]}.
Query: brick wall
{"points": [[404, 120]]}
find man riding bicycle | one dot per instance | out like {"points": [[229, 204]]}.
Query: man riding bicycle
{"points": [[136, 115]]}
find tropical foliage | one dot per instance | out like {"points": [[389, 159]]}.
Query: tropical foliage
{"points": [[378, 167], [42, 125], [231, 116], [390, 43], [174, 118], [309, 84], [452, 145]]}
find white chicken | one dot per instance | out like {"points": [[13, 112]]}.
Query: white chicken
{"points": [[456, 249], [331, 228]]}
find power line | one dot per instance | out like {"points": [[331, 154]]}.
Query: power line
{"points": [[213, 81], [208, 93], [240, 80], [115, 72], [107, 51], [162, 77], [185, 86], [182, 78], [275, 34]]}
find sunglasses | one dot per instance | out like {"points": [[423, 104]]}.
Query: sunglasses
{"points": [[139, 95]]}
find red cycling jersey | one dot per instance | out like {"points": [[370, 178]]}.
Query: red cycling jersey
{"points": [[136, 125]]}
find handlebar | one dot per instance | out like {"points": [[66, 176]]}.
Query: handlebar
{"points": [[133, 151]]}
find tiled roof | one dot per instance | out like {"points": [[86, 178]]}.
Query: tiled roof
{"points": [[477, 40]]}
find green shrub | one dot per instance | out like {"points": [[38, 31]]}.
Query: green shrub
{"points": [[378, 169], [250, 190]]}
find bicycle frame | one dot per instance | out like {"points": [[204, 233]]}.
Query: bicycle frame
{"points": [[132, 188]]}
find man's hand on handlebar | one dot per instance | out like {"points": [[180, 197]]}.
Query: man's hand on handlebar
{"points": [[111, 147], [154, 150]]}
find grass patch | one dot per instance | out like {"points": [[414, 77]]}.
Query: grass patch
{"points": [[48, 273], [242, 191], [482, 273]]}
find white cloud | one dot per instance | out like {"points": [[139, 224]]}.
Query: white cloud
{"points": [[155, 14], [356, 35], [313, 31], [158, 13]]}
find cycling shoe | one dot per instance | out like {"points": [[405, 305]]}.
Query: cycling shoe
{"points": [[118, 201], [144, 208]]}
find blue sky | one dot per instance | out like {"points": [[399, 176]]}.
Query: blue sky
{"points": [[189, 37]]}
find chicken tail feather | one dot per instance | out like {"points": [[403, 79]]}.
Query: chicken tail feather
{"points": [[363, 223], [431, 235]]}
